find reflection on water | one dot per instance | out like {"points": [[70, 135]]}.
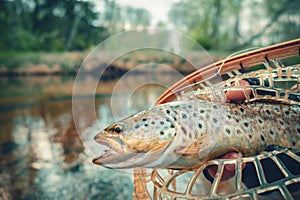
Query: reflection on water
{"points": [[41, 153]]}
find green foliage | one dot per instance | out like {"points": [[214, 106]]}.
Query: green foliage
{"points": [[165, 59], [233, 25], [67, 62], [59, 25], [20, 39], [182, 61], [125, 59], [203, 40], [6, 60], [68, 25], [50, 25]]}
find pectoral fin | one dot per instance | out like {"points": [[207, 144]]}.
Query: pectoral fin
{"points": [[194, 148]]}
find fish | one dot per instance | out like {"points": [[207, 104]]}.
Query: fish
{"points": [[185, 134]]}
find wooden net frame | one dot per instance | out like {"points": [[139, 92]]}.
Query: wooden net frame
{"points": [[273, 60]]}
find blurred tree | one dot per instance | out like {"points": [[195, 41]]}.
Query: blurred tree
{"points": [[235, 24], [76, 25], [109, 7], [49, 25], [119, 18], [201, 19], [161, 24], [285, 21], [142, 17], [278, 26]]}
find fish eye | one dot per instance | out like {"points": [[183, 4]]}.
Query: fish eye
{"points": [[118, 129]]}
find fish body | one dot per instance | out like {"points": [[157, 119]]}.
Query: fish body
{"points": [[184, 134]]}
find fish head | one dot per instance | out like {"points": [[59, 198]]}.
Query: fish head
{"points": [[132, 140], [174, 135]]}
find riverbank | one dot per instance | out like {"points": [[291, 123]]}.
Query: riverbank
{"points": [[68, 63], [40, 63]]}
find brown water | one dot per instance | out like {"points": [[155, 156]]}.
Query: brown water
{"points": [[41, 155]]}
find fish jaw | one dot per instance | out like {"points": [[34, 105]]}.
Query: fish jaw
{"points": [[113, 144], [114, 152], [120, 154], [124, 153]]}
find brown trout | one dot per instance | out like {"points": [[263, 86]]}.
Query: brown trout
{"points": [[184, 134]]}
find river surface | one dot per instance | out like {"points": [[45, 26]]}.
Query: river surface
{"points": [[41, 153]]}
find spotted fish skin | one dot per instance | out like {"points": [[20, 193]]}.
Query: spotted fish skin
{"points": [[183, 134]]}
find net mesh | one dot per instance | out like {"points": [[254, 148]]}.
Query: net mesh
{"points": [[191, 184]]}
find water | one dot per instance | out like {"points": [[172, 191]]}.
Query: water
{"points": [[41, 154]]}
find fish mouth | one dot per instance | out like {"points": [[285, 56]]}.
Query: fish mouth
{"points": [[116, 156], [113, 144], [114, 153]]}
